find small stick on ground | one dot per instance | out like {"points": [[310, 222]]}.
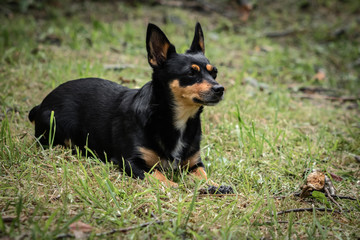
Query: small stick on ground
{"points": [[154, 216], [332, 199], [284, 33], [124, 230], [297, 194], [340, 99], [285, 222], [307, 210], [344, 197], [119, 230]]}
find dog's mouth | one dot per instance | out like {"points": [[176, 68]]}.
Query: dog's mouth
{"points": [[208, 102]]}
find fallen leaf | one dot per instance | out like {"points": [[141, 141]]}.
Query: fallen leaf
{"points": [[51, 39], [117, 67], [316, 180], [125, 80], [244, 9], [320, 75], [336, 177], [256, 84], [321, 197], [79, 229]]}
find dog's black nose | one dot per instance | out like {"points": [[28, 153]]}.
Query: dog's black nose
{"points": [[218, 89]]}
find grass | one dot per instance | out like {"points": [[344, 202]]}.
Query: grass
{"points": [[258, 141]]}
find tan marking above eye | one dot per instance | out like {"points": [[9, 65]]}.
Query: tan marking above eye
{"points": [[195, 67], [209, 67]]}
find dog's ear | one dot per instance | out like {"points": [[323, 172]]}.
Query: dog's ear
{"points": [[158, 46], [198, 41]]}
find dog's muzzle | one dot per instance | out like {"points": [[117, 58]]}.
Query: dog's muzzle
{"points": [[212, 97]]}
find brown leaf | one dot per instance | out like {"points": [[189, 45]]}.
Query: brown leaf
{"points": [[316, 180], [336, 177], [244, 9], [320, 75], [125, 80], [79, 229]]}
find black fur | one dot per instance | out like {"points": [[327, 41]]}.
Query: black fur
{"points": [[115, 121]]}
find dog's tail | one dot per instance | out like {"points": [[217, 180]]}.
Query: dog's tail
{"points": [[33, 113]]}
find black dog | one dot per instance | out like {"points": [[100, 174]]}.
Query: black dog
{"points": [[156, 125]]}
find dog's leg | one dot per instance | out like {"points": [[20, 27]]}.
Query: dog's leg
{"points": [[200, 173], [151, 159], [162, 178], [130, 167], [196, 168], [136, 171]]}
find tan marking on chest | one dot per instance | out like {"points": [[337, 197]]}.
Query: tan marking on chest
{"points": [[185, 107]]}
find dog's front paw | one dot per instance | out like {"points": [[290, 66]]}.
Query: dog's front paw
{"points": [[217, 190]]}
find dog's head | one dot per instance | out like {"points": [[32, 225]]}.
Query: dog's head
{"points": [[190, 76]]}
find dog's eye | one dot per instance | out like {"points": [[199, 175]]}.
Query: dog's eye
{"points": [[194, 70]]}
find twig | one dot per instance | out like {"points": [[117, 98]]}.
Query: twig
{"points": [[272, 223], [23, 236], [344, 197], [312, 90], [117, 67], [332, 199], [296, 194], [282, 34], [307, 210], [124, 230], [119, 230], [340, 99], [154, 216], [196, 5], [64, 235], [297, 223], [182, 4]]}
